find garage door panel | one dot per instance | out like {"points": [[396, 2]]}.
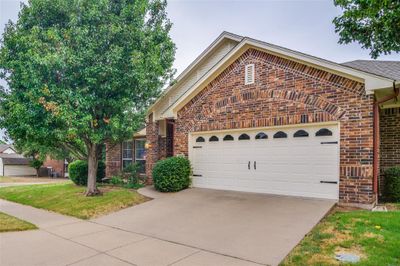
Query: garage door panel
{"points": [[19, 170], [289, 166]]}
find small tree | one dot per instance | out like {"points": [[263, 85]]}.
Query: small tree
{"points": [[375, 24], [36, 163], [83, 72]]}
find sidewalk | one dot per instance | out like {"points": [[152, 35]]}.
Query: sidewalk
{"points": [[63, 240]]}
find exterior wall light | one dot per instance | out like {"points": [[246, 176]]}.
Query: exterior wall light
{"points": [[147, 145]]}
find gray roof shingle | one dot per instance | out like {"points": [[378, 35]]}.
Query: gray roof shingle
{"points": [[14, 159], [387, 69]]}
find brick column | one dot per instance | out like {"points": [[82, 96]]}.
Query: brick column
{"points": [[152, 152], [390, 141], [113, 159]]}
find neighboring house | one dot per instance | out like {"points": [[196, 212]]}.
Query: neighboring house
{"points": [[55, 168], [6, 148], [14, 164], [256, 117]]}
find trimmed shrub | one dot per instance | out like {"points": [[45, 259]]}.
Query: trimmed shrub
{"points": [[78, 172], [172, 174], [392, 184]]}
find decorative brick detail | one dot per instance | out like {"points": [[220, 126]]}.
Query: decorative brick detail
{"points": [[113, 158], [390, 140], [288, 93]]}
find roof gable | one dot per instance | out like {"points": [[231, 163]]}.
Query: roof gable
{"points": [[201, 65], [6, 148], [371, 81]]}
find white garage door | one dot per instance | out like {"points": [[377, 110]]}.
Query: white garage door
{"points": [[297, 161], [19, 170]]}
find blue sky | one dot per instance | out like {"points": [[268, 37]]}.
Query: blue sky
{"points": [[305, 26]]}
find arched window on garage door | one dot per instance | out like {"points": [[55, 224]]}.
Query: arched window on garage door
{"points": [[213, 139], [228, 138], [300, 134], [200, 139], [280, 135], [323, 132], [244, 136], [261, 135]]}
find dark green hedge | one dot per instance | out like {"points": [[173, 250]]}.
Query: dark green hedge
{"points": [[78, 172], [172, 174], [392, 184]]}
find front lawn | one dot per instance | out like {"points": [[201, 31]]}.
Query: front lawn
{"points": [[69, 199], [10, 223], [374, 236]]}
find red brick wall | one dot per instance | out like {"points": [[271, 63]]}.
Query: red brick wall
{"points": [[57, 165], [390, 139], [285, 93], [113, 159]]}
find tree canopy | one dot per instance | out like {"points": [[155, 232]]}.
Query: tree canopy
{"points": [[375, 24], [83, 72]]}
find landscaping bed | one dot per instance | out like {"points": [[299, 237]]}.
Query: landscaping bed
{"points": [[10, 223], [373, 236], [69, 199]]}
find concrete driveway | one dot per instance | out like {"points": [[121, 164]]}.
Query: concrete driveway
{"points": [[251, 227]]}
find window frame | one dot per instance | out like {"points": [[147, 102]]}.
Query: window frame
{"points": [[124, 148], [137, 159]]}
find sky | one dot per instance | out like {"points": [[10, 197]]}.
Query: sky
{"points": [[301, 25]]}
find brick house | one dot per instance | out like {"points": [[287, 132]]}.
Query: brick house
{"points": [[256, 117], [55, 167]]}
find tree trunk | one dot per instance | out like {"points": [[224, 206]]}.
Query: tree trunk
{"points": [[93, 162]]}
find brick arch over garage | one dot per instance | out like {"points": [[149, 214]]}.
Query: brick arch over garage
{"points": [[309, 109], [285, 93]]}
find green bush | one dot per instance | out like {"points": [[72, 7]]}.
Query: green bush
{"points": [[392, 184], [131, 170], [132, 175], [78, 172], [116, 181], [172, 174]]}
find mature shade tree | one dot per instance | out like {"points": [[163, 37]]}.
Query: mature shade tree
{"points": [[375, 24], [83, 72]]}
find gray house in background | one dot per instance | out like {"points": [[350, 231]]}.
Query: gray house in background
{"points": [[14, 164]]}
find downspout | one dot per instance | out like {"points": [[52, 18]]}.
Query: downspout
{"points": [[376, 141]]}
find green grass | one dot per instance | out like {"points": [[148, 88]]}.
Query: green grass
{"points": [[10, 223], [69, 199], [375, 236]]}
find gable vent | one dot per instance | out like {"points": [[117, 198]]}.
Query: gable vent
{"points": [[249, 74]]}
